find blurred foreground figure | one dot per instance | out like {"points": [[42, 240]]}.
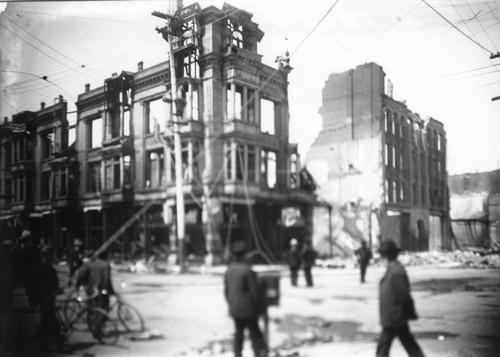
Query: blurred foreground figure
{"points": [[396, 305], [241, 289]]}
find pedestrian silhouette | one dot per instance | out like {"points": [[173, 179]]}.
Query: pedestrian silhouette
{"points": [[47, 285], [396, 305], [364, 255], [241, 290], [294, 260], [308, 257]]}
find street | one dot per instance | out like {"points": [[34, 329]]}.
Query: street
{"points": [[186, 314]]}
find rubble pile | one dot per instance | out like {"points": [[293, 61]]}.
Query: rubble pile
{"points": [[460, 258]]}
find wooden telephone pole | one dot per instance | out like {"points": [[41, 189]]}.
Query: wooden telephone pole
{"points": [[177, 112]]}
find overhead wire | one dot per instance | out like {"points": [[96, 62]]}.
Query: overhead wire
{"points": [[455, 27], [46, 44]]}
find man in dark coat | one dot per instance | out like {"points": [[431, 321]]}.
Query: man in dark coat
{"points": [[75, 259], [308, 257], [29, 258], [241, 290], [47, 285], [96, 276], [294, 260], [396, 305], [364, 255]]}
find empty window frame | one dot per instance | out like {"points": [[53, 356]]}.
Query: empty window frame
{"points": [[112, 177], [45, 186], [60, 184], [155, 168], [268, 168], [47, 139], [191, 97], [95, 133], [157, 115], [236, 34], [267, 116], [294, 165], [94, 177]]}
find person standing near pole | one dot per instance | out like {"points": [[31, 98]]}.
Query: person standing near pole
{"points": [[364, 255], [241, 290], [396, 305], [294, 260]]}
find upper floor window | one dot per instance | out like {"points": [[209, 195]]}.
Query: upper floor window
{"points": [[294, 169], [156, 116], [155, 168], [6, 155], [60, 182], [236, 31], [267, 116], [112, 176], [93, 177], [268, 168], [95, 133], [241, 162], [47, 139]]}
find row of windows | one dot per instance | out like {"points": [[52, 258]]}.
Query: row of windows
{"points": [[246, 163], [393, 124]]}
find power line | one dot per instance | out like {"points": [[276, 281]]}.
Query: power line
{"points": [[453, 25], [315, 27], [44, 43]]}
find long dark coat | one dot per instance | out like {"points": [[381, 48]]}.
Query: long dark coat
{"points": [[396, 303], [241, 290]]}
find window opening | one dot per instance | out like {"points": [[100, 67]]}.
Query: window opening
{"points": [[267, 122]]}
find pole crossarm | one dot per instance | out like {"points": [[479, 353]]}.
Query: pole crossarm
{"points": [[123, 228]]}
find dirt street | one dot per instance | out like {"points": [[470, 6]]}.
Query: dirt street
{"points": [[459, 313]]}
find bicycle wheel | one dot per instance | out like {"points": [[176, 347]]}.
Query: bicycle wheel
{"points": [[130, 318], [102, 327], [73, 312]]}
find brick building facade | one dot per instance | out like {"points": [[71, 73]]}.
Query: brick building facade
{"points": [[241, 175], [376, 155]]}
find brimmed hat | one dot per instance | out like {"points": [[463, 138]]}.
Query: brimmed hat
{"points": [[26, 234], [77, 242], [294, 241], [388, 246]]}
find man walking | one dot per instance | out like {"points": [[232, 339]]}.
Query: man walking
{"points": [[364, 255], [241, 290], [396, 305], [294, 260]]}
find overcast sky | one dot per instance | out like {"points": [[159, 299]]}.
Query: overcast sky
{"points": [[441, 71]]}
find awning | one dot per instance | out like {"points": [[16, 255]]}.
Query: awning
{"points": [[39, 214], [9, 216]]}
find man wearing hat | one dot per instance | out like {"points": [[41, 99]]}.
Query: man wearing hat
{"points": [[396, 304], [241, 290], [75, 259], [29, 258]]}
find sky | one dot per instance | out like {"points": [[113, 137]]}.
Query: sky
{"points": [[435, 52]]}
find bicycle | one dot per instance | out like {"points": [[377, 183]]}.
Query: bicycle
{"points": [[81, 311], [128, 316]]}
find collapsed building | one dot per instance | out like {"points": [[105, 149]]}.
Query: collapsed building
{"points": [[241, 177], [380, 164]]}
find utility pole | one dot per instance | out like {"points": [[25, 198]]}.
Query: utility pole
{"points": [[177, 111], [493, 56]]}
